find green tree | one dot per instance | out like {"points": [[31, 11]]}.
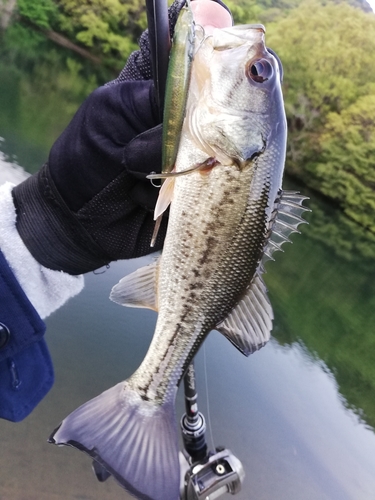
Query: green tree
{"points": [[327, 52], [348, 160], [245, 11], [110, 27], [42, 12]]}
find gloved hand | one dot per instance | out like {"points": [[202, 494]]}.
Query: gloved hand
{"points": [[91, 203]]}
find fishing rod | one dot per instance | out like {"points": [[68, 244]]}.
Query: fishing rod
{"points": [[160, 45]]}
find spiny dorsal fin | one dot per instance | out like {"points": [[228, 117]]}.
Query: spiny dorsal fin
{"points": [[249, 324], [138, 289], [287, 216]]}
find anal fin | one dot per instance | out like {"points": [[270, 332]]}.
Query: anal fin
{"points": [[249, 324]]}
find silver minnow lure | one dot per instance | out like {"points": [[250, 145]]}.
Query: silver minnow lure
{"points": [[228, 215]]}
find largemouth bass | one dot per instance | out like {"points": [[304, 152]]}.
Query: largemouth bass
{"points": [[228, 214]]}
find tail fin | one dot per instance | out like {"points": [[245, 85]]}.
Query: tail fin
{"points": [[135, 440]]}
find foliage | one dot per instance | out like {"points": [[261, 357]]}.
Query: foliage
{"points": [[21, 43], [245, 11], [42, 12], [344, 238], [110, 27], [267, 11], [348, 160], [327, 52]]}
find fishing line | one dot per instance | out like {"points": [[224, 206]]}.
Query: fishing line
{"points": [[208, 401]]}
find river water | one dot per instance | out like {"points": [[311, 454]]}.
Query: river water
{"points": [[299, 414]]}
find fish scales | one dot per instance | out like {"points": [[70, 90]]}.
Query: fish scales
{"points": [[206, 292], [223, 210]]}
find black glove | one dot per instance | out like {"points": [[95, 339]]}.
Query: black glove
{"points": [[91, 203]]}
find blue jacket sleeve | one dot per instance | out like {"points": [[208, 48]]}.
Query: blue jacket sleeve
{"points": [[26, 372]]}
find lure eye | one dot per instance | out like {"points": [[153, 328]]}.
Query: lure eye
{"points": [[259, 70]]}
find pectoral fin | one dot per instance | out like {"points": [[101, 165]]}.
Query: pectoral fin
{"points": [[138, 289], [165, 197], [249, 324]]}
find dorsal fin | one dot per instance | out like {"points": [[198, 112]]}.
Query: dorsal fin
{"points": [[249, 324], [138, 289], [286, 218]]}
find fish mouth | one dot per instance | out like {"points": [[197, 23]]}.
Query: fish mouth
{"points": [[251, 35], [245, 27]]}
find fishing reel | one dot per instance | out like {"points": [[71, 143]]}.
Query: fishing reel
{"points": [[220, 473], [204, 476]]}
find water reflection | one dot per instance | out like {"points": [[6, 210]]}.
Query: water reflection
{"points": [[41, 86], [299, 414], [285, 411], [328, 301]]}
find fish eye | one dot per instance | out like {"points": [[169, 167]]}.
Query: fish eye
{"points": [[259, 70], [281, 71]]}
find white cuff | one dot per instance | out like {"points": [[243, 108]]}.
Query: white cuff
{"points": [[47, 290]]}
